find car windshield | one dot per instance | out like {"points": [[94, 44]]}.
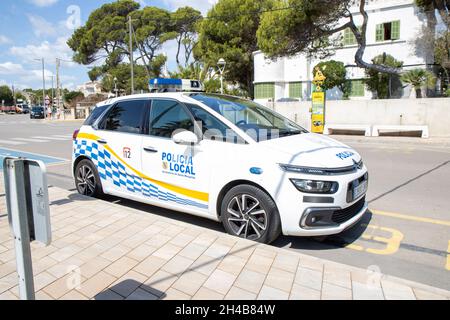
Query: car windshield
{"points": [[37, 109], [259, 122]]}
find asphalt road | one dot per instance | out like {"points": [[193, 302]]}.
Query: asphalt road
{"points": [[405, 234]]}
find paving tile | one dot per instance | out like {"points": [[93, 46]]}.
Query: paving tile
{"points": [[108, 295], [8, 281], [286, 262], [62, 286], [128, 283], [159, 283], [309, 278], [96, 284], [397, 291], [149, 266], [269, 293], [141, 252], [190, 282], [337, 276], [177, 265], [115, 253], [73, 296], [94, 266], [367, 291], [280, 279], [303, 293], [41, 295], [121, 267], [220, 281], [250, 280], [205, 265], [140, 294], [8, 295], [207, 294], [158, 240], [42, 280], [167, 252], [232, 264], [259, 263], [426, 295], [311, 263], [192, 251], [174, 294], [236, 293], [334, 292]]}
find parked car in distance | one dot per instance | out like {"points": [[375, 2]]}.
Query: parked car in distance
{"points": [[25, 109], [37, 113]]}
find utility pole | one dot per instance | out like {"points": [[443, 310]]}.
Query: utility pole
{"points": [[43, 80], [131, 54], [58, 92]]}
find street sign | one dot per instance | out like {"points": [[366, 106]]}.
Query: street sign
{"points": [[318, 103], [27, 202]]}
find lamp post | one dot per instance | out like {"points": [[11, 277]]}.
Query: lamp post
{"points": [[43, 80], [221, 64], [115, 86]]}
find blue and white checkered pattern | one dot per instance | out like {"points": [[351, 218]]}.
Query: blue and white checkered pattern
{"points": [[112, 170]]}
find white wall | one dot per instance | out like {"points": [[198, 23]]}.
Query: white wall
{"points": [[298, 68], [431, 112]]}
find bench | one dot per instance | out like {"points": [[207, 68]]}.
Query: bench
{"points": [[349, 127], [400, 128]]}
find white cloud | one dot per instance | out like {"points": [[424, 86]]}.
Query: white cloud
{"points": [[43, 3], [202, 5], [4, 39], [47, 50], [10, 68], [41, 27]]}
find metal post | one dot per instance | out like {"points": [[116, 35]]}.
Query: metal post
{"points": [[18, 207], [58, 92], [43, 84], [131, 54]]}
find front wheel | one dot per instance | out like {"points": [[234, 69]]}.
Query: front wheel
{"points": [[250, 213], [87, 180]]}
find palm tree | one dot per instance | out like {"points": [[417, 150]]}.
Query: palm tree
{"points": [[419, 78]]}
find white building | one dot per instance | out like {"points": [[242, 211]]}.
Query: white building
{"points": [[90, 88], [393, 29]]}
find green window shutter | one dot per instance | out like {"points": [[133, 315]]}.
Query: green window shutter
{"points": [[349, 37], [380, 33], [264, 91], [395, 30], [357, 88], [295, 90]]}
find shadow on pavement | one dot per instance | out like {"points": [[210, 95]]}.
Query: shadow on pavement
{"points": [[132, 290]]}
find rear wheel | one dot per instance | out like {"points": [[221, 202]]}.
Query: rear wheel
{"points": [[87, 180], [250, 213]]}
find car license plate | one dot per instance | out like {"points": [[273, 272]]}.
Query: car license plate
{"points": [[360, 190]]}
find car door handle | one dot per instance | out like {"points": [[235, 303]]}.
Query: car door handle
{"points": [[150, 149], [101, 141]]}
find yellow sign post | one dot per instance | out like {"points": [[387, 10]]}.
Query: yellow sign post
{"points": [[318, 103]]}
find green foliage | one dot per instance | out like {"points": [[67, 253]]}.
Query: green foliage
{"points": [[442, 50], [6, 94], [225, 34], [379, 82], [447, 93], [73, 95], [303, 28], [419, 78], [335, 74]]}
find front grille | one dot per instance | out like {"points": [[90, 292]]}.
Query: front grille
{"points": [[343, 215]]}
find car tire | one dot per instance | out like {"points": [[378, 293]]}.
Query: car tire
{"points": [[249, 212], [87, 180]]}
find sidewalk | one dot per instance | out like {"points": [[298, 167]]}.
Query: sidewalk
{"points": [[104, 251]]}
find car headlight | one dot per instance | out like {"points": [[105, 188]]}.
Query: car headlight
{"points": [[314, 186]]}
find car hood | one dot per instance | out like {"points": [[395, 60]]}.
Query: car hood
{"points": [[312, 150]]}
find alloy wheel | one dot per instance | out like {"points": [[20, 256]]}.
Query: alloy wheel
{"points": [[86, 181], [247, 218]]}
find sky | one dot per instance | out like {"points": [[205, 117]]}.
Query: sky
{"points": [[35, 29]]}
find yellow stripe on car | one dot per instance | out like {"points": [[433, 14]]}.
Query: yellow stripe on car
{"points": [[202, 196]]}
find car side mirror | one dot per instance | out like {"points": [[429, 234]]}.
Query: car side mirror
{"points": [[185, 138]]}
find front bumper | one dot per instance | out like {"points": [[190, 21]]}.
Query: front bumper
{"points": [[332, 217]]}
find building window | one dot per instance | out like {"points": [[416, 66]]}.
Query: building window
{"points": [[295, 90], [349, 37], [265, 90], [357, 88], [388, 31]]}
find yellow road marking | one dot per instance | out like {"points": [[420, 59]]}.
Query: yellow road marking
{"points": [[392, 243], [448, 257], [412, 218]]}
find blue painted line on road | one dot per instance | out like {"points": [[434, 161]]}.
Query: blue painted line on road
{"points": [[16, 153]]}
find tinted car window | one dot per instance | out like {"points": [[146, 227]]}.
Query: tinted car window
{"points": [[168, 116], [126, 116], [95, 114], [212, 128]]}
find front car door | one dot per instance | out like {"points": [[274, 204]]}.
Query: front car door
{"points": [[178, 175], [119, 141]]}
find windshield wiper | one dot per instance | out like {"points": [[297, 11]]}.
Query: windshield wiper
{"points": [[290, 133]]}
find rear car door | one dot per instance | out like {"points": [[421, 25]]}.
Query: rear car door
{"points": [[119, 141]]}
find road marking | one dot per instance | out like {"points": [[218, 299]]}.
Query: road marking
{"points": [[412, 218], [448, 257], [16, 153], [51, 138], [13, 143], [392, 243], [66, 136], [30, 140]]}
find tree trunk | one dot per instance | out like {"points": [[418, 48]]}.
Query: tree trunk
{"points": [[418, 92]]}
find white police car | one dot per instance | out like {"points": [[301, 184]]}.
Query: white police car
{"points": [[223, 158]]}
